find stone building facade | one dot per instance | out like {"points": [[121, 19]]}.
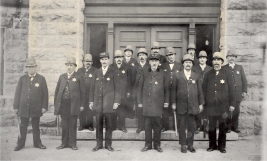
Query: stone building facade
{"points": [[51, 30]]}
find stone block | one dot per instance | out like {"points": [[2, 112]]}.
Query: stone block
{"points": [[6, 103], [237, 4], [15, 56], [258, 41], [48, 29], [250, 108], [256, 94], [249, 55], [38, 16], [20, 23], [15, 67], [255, 81], [50, 41], [51, 67], [48, 120], [64, 4], [246, 122], [12, 78], [256, 68], [13, 44], [9, 89], [6, 22], [67, 28], [35, 28], [67, 41], [257, 125], [256, 16], [36, 41], [236, 16], [238, 42], [257, 4], [41, 4]]}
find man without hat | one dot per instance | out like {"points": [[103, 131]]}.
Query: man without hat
{"points": [[153, 95], [104, 99], [188, 97], [140, 69], [123, 77], [191, 49], [240, 80], [87, 71], [219, 93], [202, 68], [31, 101], [155, 51], [171, 67], [69, 101]]}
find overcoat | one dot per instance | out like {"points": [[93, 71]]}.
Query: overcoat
{"points": [[153, 92], [219, 92], [88, 77], [139, 73], [240, 80], [31, 96], [197, 69], [77, 93], [187, 94], [132, 69], [105, 91], [170, 73]]}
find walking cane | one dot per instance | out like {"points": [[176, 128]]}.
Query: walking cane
{"points": [[18, 125], [57, 125], [175, 122]]}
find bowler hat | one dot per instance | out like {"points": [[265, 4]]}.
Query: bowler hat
{"points": [[155, 45], [87, 57], [191, 46], [202, 54], [103, 55], [30, 62], [71, 60], [217, 55], [170, 50], [118, 53], [188, 57], [141, 50], [128, 47], [231, 53]]}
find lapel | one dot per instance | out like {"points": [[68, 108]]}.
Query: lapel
{"points": [[183, 75], [108, 70]]}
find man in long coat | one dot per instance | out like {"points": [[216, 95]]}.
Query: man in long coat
{"points": [[155, 51], [219, 93], [153, 95], [188, 97], [191, 49], [240, 80], [69, 100], [171, 67], [31, 101], [87, 71], [104, 99]]}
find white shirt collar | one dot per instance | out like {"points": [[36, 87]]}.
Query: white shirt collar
{"points": [[142, 64], [32, 75], [187, 74]]}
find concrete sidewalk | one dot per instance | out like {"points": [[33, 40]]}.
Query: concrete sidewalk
{"points": [[248, 148]]}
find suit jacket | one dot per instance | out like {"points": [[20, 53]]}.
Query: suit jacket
{"points": [[132, 69], [123, 77], [197, 69], [153, 92], [219, 92], [77, 93], [139, 73], [162, 60], [187, 94], [88, 77], [105, 91], [31, 96], [240, 80]]}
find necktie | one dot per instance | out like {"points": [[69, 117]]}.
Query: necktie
{"points": [[217, 72]]}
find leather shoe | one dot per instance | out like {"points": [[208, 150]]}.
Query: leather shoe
{"points": [[211, 149], [109, 148], [228, 131], [74, 147], [123, 130], [97, 148], [62, 147], [91, 128], [145, 149], [139, 130], [183, 149], [222, 150], [17, 148], [40, 146], [80, 128], [197, 131], [159, 149], [236, 130], [191, 149]]}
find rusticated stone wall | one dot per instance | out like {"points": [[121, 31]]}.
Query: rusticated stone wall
{"points": [[15, 22], [243, 28]]}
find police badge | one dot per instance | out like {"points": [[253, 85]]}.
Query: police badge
{"points": [[74, 79], [237, 72], [90, 75], [123, 72], [108, 79], [36, 84], [193, 81]]}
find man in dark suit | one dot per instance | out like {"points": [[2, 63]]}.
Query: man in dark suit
{"points": [[202, 68], [123, 77], [140, 69], [219, 93], [31, 101], [240, 80], [191, 49], [155, 51], [69, 101], [104, 99], [87, 71], [171, 67], [153, 95], [188, 97]]}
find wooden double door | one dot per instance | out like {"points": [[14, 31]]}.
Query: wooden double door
{"points": [[139, 36]]}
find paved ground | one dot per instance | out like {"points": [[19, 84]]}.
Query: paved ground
{"points": [[248, 148]]}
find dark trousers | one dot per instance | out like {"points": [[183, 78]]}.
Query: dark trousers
{"points": [[129, 103], [119, 117], [233, 124], [140, 117], [68, 124], [199, 117], [86, 118], [187, 121], [152, 123], [99, 128], [167, 112], [212, 132], [23, 131]]}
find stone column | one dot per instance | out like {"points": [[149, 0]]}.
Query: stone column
{"points": [[55, 32]]}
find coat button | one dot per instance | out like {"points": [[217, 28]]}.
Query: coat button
{"points": [[29, 89]]}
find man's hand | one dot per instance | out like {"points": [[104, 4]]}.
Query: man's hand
{"points": [[200, 108], [128, 95], [115, 106], [81, 108], [245, 95], [91, 105], [174, 106], [166, 105], [43, 110], [140, 105], [231, 108], [16, 111]]}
